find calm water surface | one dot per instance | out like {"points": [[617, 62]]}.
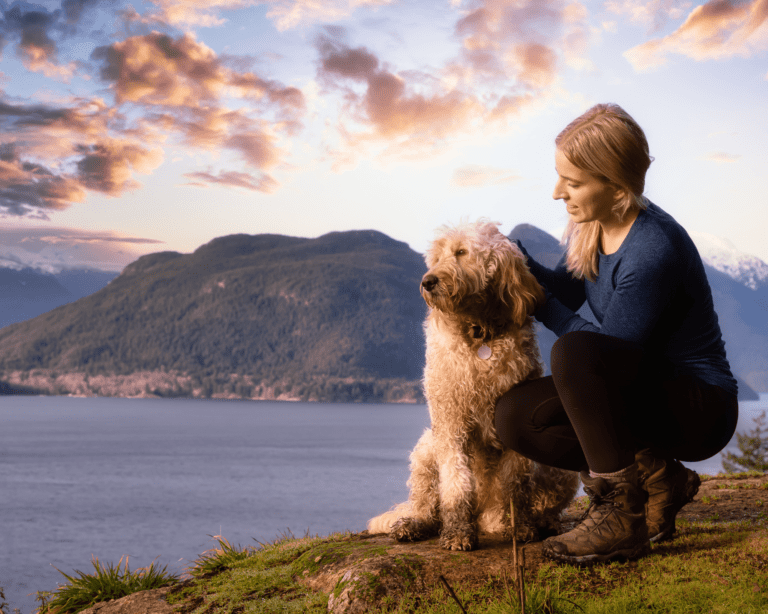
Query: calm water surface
{"points": [[153, 479]]}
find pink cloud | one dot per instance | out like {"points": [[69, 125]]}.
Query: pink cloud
{"points": [[53, 155], [28, 29], [510, 53], [285, 14], [262, 183], [652, 13], [722, 157], [184, 84], [25, 186], [155, 69], [290, 13], [475, 176], [715, 30], [53, 249], [387, 105], [520, 40], [107, 166]]}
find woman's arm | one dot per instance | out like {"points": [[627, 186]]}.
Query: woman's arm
{"points": [[558, 282], [644, 285]]}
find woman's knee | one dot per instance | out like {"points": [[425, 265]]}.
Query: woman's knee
{"points": [[579, 354], [516, 411], [574, 350]]}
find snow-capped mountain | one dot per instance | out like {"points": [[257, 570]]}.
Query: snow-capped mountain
{"points": [[722, 255]]}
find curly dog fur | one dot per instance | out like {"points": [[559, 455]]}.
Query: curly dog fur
{"points": [[481, 294]]}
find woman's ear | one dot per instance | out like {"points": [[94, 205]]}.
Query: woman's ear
{"points": [[619, 194]]}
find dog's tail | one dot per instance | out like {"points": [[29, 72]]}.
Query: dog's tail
{"points": [[383, 522]]}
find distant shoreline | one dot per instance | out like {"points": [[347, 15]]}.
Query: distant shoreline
{"points": [[169, 384], [164, 384]]}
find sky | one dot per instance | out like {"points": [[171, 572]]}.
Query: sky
{"points": [[135, 127]]}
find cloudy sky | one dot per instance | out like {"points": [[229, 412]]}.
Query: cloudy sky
{"points": [[133, 127]]}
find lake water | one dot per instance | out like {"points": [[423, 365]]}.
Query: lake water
{"points": [[154, 479]]}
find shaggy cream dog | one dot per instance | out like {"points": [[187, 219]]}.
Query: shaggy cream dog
{"points": [[480, 343]]}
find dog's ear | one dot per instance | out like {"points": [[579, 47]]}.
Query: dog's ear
{"points": [[516, 285]]}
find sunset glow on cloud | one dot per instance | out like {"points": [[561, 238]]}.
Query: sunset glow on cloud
{"points": [[712, 31], [182, 120]]}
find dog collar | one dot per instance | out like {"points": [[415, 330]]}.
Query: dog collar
{"points": [[484, 351]]}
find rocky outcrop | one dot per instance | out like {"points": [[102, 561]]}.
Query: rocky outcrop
{"points": [[145, 602], [363, 572]]}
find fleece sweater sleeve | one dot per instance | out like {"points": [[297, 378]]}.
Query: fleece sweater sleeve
{"points": [[557, 282], [641, 287]]}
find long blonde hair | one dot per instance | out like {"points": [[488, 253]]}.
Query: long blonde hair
{"points": [[609, 144]]}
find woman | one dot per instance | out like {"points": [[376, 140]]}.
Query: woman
{"points": [[648, 386]]}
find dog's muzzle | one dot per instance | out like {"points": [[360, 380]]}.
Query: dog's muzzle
{"points": [[429, 281]]}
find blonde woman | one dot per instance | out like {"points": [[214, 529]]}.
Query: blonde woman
{"points": [[649, 386]]}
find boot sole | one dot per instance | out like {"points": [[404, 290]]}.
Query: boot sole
{"points": [[691, 490], [628, 554]]}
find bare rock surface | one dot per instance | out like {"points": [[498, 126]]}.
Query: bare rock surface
{"points": [[144, 602], [412, 568]]}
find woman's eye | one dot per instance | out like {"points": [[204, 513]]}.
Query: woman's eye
{"points": [[573, 185]]}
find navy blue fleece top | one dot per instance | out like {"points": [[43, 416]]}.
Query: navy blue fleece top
{"points": [[653, 291]]}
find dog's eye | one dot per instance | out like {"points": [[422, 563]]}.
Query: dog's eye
{"points": [[461, 252]]}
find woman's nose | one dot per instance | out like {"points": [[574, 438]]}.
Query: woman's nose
{"points": [[558, 193]]}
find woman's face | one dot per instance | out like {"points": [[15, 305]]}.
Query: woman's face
{"points": [[586, 197]]}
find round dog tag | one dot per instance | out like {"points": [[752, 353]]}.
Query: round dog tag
{"points": [[484, 352]]}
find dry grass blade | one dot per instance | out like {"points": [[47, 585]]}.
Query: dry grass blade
{"points": [[452, 594], [521, 575], [519, 565]]}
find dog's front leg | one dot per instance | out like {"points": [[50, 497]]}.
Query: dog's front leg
{"points": [[457, 494], [421, 521]]}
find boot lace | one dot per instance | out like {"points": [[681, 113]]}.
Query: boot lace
{"points": [[598, 503]]}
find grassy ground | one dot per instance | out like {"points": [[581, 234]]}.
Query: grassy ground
{"points": [[717, 563], [710, 567]]}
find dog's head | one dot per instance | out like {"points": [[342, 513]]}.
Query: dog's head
{"points": [[475, 271]]}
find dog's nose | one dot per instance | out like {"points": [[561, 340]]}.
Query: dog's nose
{"points": [[428, 282]]}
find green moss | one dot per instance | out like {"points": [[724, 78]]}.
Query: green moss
{"points": [[329, 552], [389, 587], [267, 579]]}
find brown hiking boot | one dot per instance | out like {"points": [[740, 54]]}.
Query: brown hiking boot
{"points": [[670, 486], [612, 528]]}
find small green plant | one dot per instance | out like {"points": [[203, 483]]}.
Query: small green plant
{"points": [[754, 449], [104, 583], [217, 559]]}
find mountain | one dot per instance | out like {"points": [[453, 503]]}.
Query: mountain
{"points": [[544, 248], [335, 317], [740, 287], [26, 293], [723, 256]]}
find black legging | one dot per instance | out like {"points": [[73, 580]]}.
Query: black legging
{"points": [[606, 400]]}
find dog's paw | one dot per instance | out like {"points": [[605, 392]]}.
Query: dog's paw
{"points": [[413, 529], [460, 538]]}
